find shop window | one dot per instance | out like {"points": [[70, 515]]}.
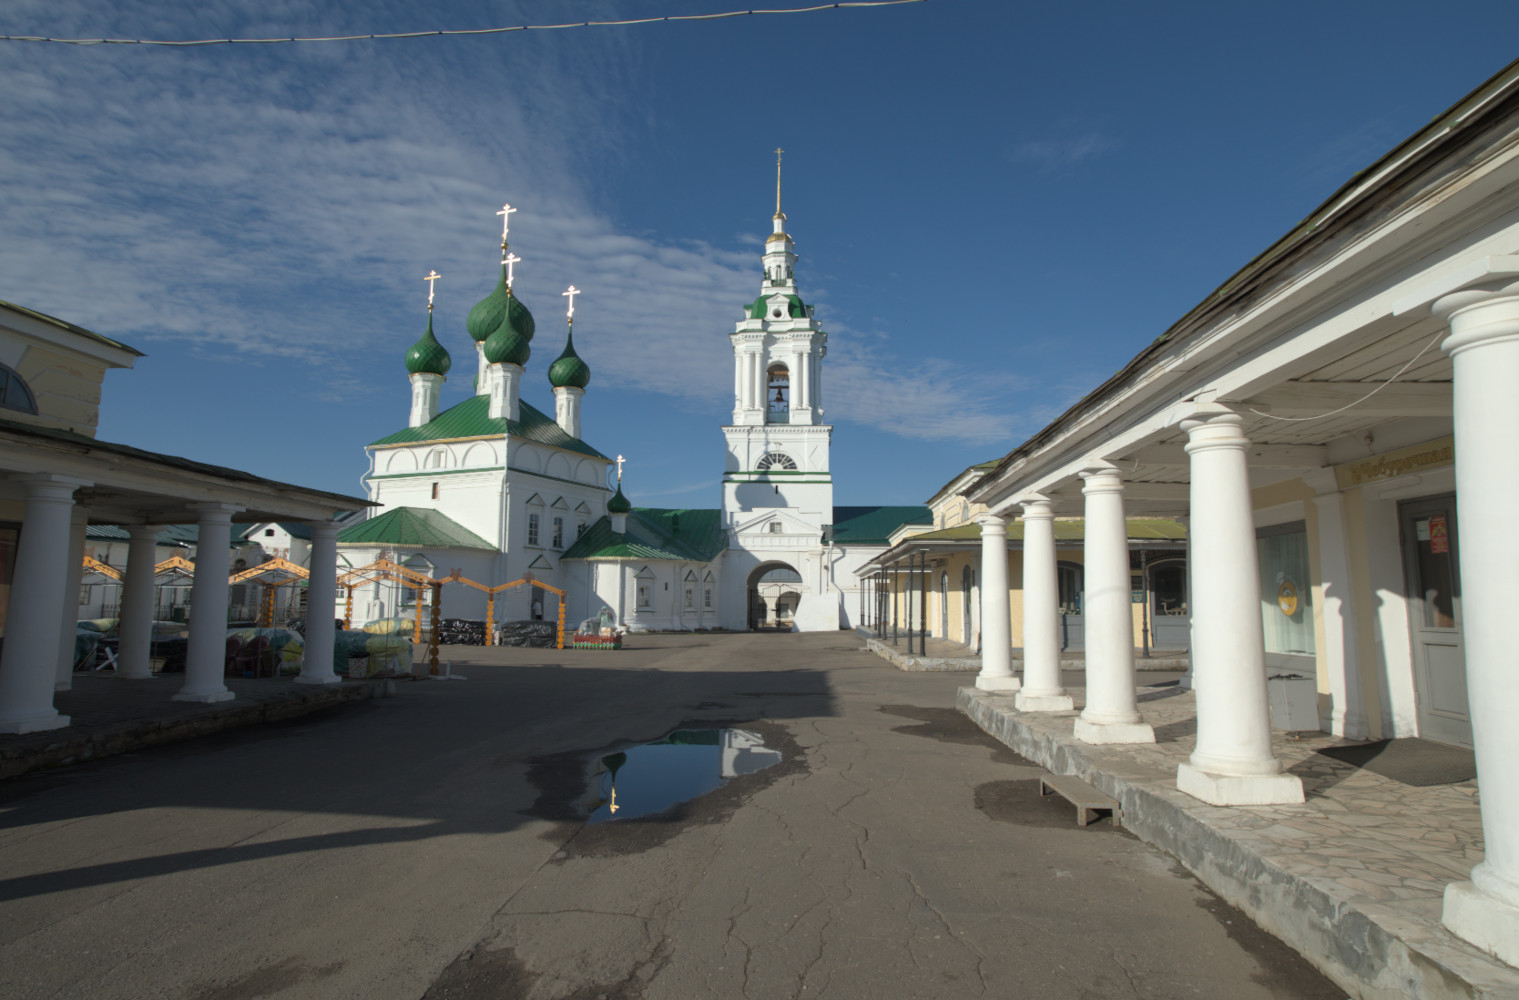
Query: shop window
{"points": [[1070, 577], [1168, 588], [1286, 592]]}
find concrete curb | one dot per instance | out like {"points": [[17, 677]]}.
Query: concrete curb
{"points": [[963, 664], [1373, 951], [74, 747]]}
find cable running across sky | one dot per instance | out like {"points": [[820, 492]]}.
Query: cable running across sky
{"points": [[459, 31]]}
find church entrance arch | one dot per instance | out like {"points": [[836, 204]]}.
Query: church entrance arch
{"points": [[774, 593]]}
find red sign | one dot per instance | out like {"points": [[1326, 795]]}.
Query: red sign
{"points": [[1439, 538]]}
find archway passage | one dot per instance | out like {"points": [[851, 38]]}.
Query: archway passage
{"points": [[774, 593]]}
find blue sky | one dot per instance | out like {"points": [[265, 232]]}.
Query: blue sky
{"points": [[996, 204]]}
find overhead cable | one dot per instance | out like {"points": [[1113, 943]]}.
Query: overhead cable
{"points": [[455, 31]]}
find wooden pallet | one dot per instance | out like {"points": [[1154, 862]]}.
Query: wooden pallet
{"points": [[1087, 800]]}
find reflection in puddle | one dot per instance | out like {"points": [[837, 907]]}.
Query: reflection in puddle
{"points": [[684, 765]]}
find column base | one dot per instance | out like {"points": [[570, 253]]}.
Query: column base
{"points": [[1114, 732], [34, 724], [329, 679], [1483, 920], [1002, 685], [135, 677], [1025, 702], [204, 696], [1239, 790]]}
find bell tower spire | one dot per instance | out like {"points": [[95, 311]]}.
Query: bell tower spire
{"points": [[778, 441]]}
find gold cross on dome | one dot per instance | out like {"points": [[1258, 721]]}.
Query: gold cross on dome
{"points": [[506, 220], [509, 260], [571, 293], [620, 460], [432, 281]]}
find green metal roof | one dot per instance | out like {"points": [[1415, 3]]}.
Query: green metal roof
{"points": [[655, 533], [413, 527], [795, 307], [472, 419], [1141, 529], [874, 525]]}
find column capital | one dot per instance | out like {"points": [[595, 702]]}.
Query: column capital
{"points": [[137, 531], [216, 512], [1101, 476], [46, 486], [1213, 425], [990, 522], [322, 528], [1479, 316], [1036, 507], [1323, 481]]}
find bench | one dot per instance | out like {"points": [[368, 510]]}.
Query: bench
{"points": [[1087, 800]]}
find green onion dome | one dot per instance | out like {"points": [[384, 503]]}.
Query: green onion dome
{"points": [[619, 503], [508, 342], [487, 313], [568, 369], [427, 355]]}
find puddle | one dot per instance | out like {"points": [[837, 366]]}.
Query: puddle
{"points": [[684, 765]]}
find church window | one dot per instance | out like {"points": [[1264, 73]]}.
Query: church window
{"points": [[15, 394], [776, 460], [775, 527], [690, 597], [435, 491], [558, 532], [532, 529], [437, 458], [268, 532], [706, 597], [579, 528]]}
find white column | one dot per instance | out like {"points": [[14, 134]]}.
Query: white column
{"points": [[1232, 763], [28, 665], [135, 646], [1484, 351], [1042, 687], [64, 679], [1341, 654], [996, 619], [1112, 710], [206, 653], [321, 596]]}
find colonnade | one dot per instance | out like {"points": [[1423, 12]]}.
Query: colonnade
{"points": [[40, 626], [1232, 762]]}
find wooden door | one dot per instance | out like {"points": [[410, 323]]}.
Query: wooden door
{"points": [[1433, 577]]}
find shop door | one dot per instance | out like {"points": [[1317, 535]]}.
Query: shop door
{"points": [[1433, 578]]}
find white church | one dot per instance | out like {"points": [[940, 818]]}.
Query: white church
{"points": [[497, 489]]}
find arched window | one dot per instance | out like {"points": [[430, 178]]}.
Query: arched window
{"points": [[777, 394], [776, 460], [15, 394]]}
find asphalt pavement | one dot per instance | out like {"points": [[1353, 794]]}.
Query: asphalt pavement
{"points": [[435, 844]]}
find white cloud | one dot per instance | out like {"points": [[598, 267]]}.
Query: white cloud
{"points": [[279, 205], [1051, 155]]}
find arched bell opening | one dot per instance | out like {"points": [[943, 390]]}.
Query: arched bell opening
{"points": [[777, 394]]}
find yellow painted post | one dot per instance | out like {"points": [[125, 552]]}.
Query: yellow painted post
{"points": [[561, 622], [348, 610], [416, 617], [490, 618]]}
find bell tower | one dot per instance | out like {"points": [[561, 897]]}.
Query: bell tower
{"points": [[777, 457]]}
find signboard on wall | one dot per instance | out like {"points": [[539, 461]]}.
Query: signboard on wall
{"points": [[1396, 463]]}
